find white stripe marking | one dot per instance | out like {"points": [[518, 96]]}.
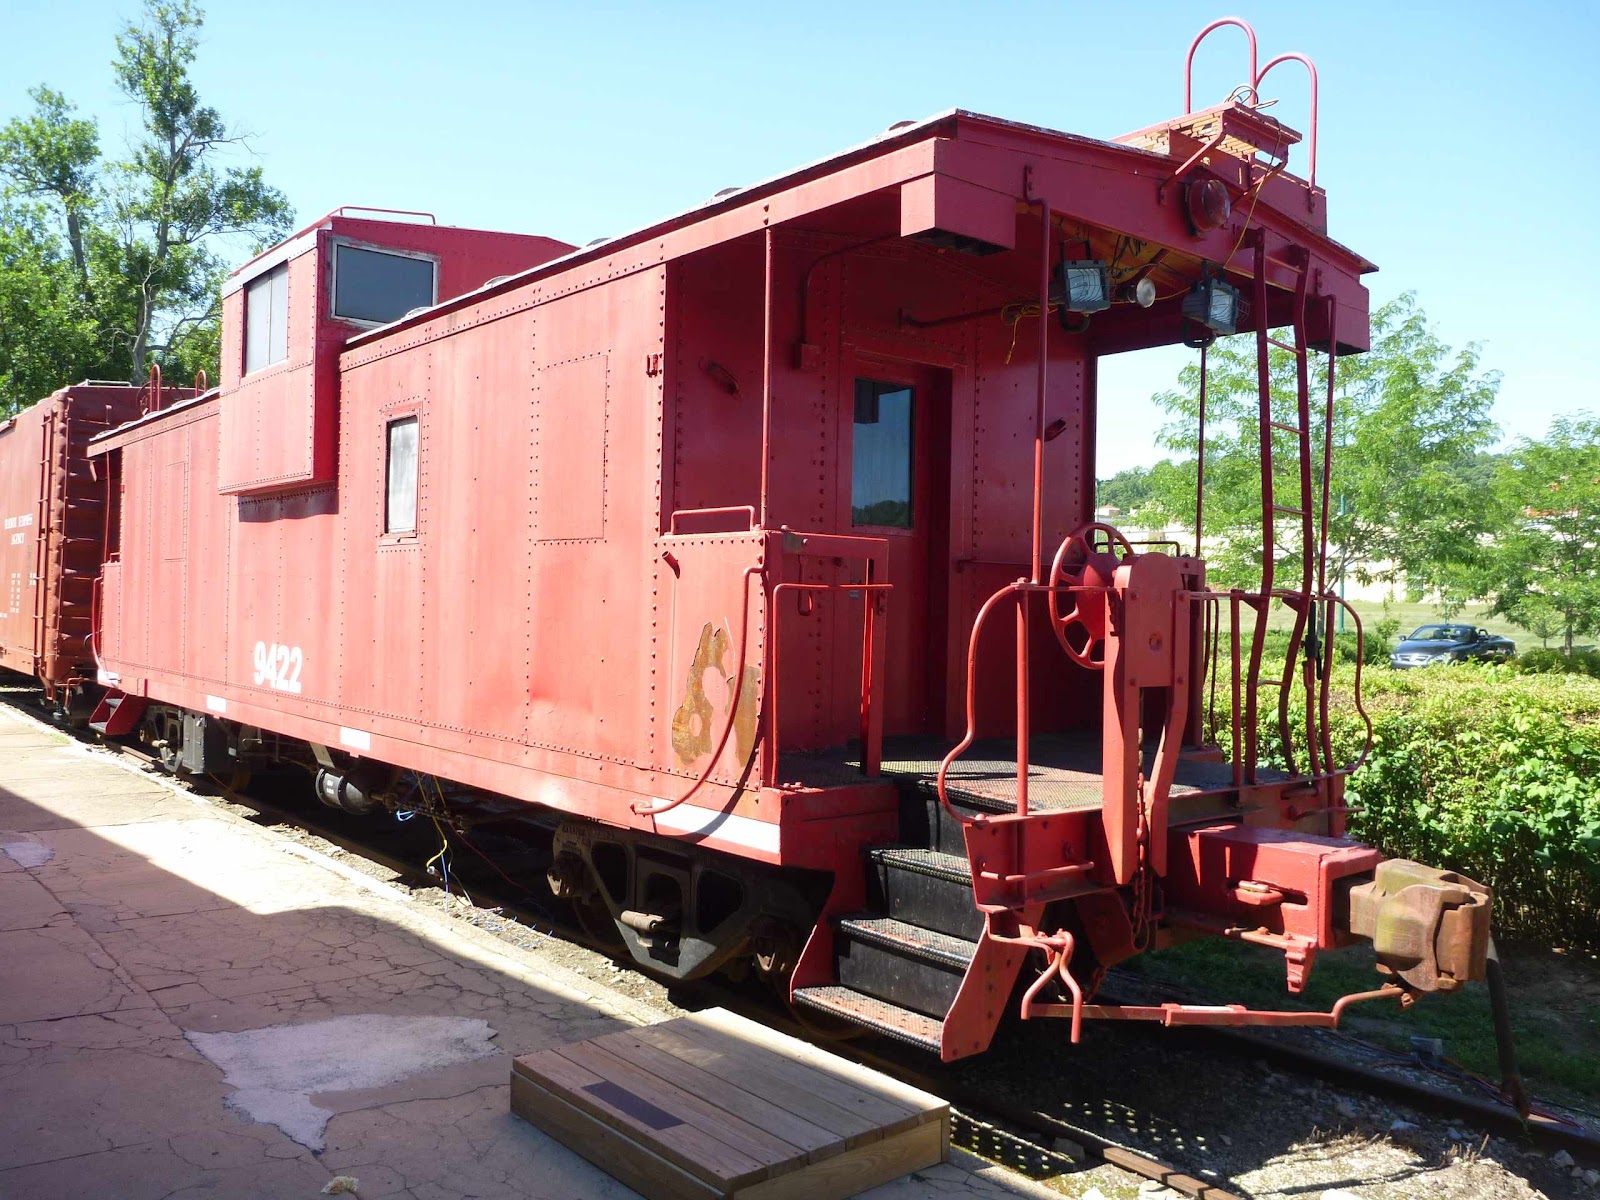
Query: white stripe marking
{"points": [[725, 827], [356, 739], [216, 704]]}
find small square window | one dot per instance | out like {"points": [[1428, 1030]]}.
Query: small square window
{"points": [[880, 481], [266, 319], [400, 496]]}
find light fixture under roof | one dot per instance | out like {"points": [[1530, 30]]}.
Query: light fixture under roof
{"points": [[1084, 285], [1213, 303]]}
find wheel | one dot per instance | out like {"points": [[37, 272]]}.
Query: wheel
{"points": [[162, 735], [1088, 558], [595, 920]]}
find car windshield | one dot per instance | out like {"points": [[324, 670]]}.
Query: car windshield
{"points": [[1442, 633]]}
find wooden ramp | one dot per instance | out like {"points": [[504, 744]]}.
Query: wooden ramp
{"points": [[714, 1105]]}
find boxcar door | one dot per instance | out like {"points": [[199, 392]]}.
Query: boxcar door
{"points": [[899, 490]]}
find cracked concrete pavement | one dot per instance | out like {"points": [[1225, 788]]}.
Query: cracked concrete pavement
{"points": [[134, 921]]}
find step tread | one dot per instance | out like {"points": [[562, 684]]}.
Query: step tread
{"points": [[916, 940], [877, 1015], [951, 867]]}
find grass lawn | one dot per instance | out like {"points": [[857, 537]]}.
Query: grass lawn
{"points": [[1555, 1006]]}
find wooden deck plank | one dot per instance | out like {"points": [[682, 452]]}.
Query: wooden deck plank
{"points": [[679, 1143], [781, 1047], [814, 1140], [715, 1107], [857, 1170], [743, 1139], [614, 1153], [849, 1112]]}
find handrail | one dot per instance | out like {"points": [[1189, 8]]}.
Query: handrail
{"points": [[1311, 69], [1188, 63], [868, 588], [749, 510], [1021, 589], [1352, 767], [1244, 683], [393, 212], [150, 397]]}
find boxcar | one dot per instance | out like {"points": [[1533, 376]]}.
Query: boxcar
{"points": [[52, 540]]}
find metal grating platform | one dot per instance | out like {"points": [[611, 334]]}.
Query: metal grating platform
{"points": [[1063, 771]]}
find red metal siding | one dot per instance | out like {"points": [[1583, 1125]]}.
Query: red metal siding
{"points": [[53, 536]]}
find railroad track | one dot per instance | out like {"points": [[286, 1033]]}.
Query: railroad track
{"points": [[991, 1125]]}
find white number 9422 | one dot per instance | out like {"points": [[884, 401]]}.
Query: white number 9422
{"points": [[278, 666]]}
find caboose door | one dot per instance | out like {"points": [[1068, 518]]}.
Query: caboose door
{"points": [[899, 489]]}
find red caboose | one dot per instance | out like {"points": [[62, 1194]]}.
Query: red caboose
{"points": [[758, 544]]}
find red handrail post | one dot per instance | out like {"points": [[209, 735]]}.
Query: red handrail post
{"points": [[1311, 69], [1188, 62]]}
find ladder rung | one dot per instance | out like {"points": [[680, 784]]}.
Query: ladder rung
{"points": [[1287, 511], [1287, 428], [1272, 341]]}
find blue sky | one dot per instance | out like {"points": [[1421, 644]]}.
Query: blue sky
{"points": [[1457, 141]]}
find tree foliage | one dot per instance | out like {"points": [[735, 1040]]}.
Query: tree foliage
{"points": [[1127, 490], [112, 264], [1411, 428], [1544, 568]]}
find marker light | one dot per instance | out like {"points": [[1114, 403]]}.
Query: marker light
{"points": [[1142, 293]]}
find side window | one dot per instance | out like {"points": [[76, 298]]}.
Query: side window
{"points": [[400, 488], [266, 319], [374, 287], [880, 480]]}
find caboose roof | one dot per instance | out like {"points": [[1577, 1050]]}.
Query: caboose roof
{"points": [[736, 213]]}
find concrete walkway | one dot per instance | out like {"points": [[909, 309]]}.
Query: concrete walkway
{"points": [[193, 1006]]}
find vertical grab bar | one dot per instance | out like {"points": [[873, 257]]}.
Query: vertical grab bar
{"points": [[1311, 69], [1188, 63]]}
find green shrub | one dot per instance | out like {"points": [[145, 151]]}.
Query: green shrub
{"points": [[1495, 774], [1554, 662], [1490, 770]]}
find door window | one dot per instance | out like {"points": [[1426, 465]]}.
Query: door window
{"points": [[880, 482]]}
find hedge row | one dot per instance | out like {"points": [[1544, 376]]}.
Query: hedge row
{"points": [[1490, 771]]}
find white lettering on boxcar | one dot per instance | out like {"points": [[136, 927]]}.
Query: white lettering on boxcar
{"points": [[278, 666], [22, 522]]}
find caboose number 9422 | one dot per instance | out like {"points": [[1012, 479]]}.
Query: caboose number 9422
{"points": [[756, 547]]}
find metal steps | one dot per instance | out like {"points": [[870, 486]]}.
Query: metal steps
{"points": [[927, 888], [890, 1020], [902, 964], [117, 714]]}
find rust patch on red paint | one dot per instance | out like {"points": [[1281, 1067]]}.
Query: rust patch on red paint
{"points": [[691, 724], [744, 720]]}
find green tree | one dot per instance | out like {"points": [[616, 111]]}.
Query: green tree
{"points": [[47, 332], [146, 238], [1547, 559], [1411, 424], [1126, 490]]}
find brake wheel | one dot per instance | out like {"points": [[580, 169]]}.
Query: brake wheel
{"points": [[1087, 559]]}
